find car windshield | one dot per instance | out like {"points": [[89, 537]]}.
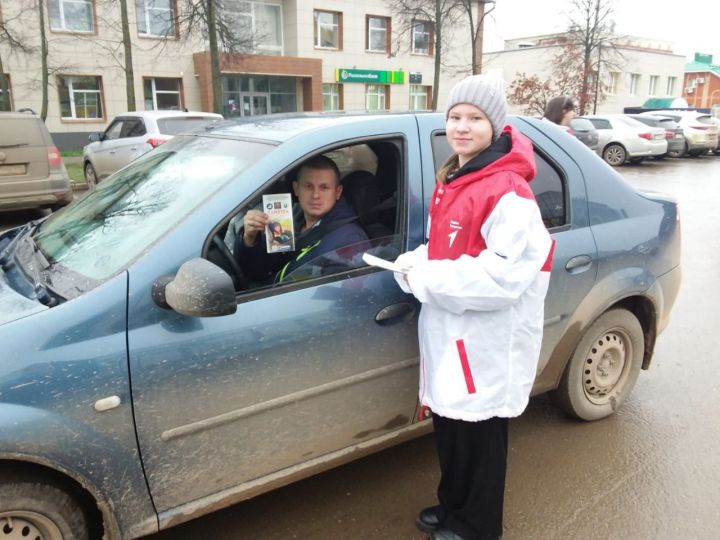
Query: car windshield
{"points": [[119, 219], [183, 124]]}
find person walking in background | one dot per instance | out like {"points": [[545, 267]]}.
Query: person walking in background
{"points": [[561, 110], [481, 279]]}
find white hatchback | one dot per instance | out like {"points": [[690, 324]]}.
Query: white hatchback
{"points": [[622, 139], [132, 134]]}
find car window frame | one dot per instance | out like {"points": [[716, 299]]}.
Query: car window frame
{"points": [[119, 120], [397, 139]]}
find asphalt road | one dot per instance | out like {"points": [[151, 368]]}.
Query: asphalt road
{"points": [[650, 472]]}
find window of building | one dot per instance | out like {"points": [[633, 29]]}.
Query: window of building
{"points": [[419, 97], [80, 97], [377, 33], [612, 87], [250, 95], [634, 83], [653, 84], [6, 94], [377, 97], [71, 15], [258, 26], [328, 30], [422, 37], [332, 97], [155, 17], [162, 94], [670, 89]]}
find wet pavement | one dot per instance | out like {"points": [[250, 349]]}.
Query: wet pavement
{"points": [[650, 472]]}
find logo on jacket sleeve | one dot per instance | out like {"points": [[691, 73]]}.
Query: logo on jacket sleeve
{"points": [[454, 225]]}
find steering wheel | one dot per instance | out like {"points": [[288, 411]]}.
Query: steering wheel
{"points": [[237, 274]]}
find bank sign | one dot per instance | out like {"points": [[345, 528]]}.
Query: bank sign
{"points": [[369, 76]]}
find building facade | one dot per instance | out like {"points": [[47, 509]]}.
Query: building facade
{"points": [[641, 69], [701, 85], [297, 55]]}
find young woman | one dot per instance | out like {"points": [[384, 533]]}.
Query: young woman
{"points": [[560, 110], [481, 279]]}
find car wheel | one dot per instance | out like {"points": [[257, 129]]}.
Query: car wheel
{"points": [[604, 367], [697, 153], [615, 155], [30, 509], [90, 176]]}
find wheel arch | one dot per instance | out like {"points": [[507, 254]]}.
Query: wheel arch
{"points": [[100, 517], [646, 313]]}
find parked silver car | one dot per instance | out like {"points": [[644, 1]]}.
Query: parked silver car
{"points": [[624, 139], [132, 134], [701, 133], [585, 132], [673, 132]]}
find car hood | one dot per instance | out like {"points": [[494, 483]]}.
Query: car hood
{"points": [[15, 306]]}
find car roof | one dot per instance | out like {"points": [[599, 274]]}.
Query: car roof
{"points": [[26, 114], [282, 127], [167, 114]]}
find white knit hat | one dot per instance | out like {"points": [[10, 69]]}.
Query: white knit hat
{"points": [[486, 93]]}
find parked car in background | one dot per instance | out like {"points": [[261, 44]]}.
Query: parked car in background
{"points": [[132, 134], [701, 133], [146, 380], [32, 172], [716, 121], [624, 139], [674, 134], [585, 131]]}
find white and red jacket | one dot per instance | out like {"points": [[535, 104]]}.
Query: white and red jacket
{"points": [[482, 279]]}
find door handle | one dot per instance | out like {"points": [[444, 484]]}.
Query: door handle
{"points": [[578, 264], [112, 151], [395, 313], [132, 149]]}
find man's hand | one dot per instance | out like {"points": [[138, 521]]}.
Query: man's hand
{"points": [[255, 222]]}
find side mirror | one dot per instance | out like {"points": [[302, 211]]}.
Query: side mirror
{"points": [[199, 289], [95, 137]]}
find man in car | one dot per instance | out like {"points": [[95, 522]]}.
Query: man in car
{"points": [[327, 223]]}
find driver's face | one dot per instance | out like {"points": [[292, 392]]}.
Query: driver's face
{"points": [[317, 191]]}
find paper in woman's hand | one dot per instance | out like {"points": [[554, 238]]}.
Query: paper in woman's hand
{"points": [[372, 260]]}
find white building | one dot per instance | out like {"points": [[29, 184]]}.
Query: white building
{"points": [[644, 68], [305, 55]]}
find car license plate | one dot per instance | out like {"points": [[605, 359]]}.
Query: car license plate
{"points": [[12, 170], [678, 135]]}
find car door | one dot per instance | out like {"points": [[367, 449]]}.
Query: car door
{"points": [[131, 143], [103, 151], [301, 374], [560, 192]]}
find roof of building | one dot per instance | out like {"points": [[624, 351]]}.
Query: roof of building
{"points": [[665, 103], [702, 67]]}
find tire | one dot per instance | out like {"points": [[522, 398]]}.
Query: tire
{"points": [[30, 509], [604, 367], [90, 175], [614, 154]]}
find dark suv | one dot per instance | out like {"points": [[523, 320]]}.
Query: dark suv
{"points": [[32, 173]]}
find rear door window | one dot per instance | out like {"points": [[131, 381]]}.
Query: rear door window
{"points": [[132, 127], [600, 123]]}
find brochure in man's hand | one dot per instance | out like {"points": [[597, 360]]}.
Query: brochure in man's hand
{"points": [[372, 260], [280, 231]]}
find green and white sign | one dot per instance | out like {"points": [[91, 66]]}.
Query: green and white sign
{"points": [[369, 76]]}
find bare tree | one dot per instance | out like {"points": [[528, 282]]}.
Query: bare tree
{"points": [[476, 24], [443, 15], [214, 21], [587, 51], [127, 48], [13, 42]]}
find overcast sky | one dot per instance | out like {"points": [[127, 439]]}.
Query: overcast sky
{"points": [[692, 25]]}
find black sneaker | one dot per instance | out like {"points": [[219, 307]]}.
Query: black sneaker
{"points": [[428, 520]]}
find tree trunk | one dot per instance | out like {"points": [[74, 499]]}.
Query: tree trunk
{"points": [[217, 105], [4, 87], [438, 51], [44, 58], [129, 72]]}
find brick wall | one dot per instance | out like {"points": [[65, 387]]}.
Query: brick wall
{"points": [[308, 69]]}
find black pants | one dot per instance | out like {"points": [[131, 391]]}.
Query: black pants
{"points": [[473, 461]]}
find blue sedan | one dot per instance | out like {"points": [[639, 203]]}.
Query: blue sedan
{"points": [[146, 380]]}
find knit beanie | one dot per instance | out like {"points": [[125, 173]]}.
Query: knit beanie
{"points": [[486, 93]]}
